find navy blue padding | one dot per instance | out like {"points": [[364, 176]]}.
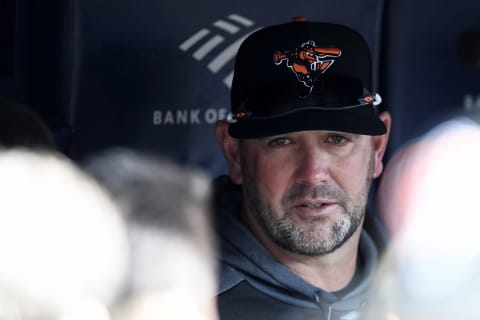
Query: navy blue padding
{"points": [[423, 78], [39, 69], [136, 64]]}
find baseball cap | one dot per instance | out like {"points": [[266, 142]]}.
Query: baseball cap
{"points": [[301, 76]]}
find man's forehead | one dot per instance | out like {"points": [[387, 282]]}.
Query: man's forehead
{"points": [[312, 133]]}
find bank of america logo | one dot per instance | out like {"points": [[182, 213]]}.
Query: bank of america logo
{"points": [[204, 41]]}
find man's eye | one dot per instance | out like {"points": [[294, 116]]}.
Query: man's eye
{"points": [[337, 139], [278, 142]]}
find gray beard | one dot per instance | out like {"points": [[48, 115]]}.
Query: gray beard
{"points": [[314, 239]]}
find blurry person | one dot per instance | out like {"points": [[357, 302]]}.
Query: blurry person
{"points": [[390, 203], [63, 243], [21, 126], [172, 271], [430, 271]]}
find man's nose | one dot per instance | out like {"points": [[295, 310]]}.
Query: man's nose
{"points": [[313, 166]]}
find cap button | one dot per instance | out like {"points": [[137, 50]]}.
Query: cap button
{"points": [[299, 19]]}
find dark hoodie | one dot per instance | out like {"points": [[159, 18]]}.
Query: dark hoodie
{"points": [[254, 285]]}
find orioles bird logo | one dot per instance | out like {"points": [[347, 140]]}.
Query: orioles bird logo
{"points": [[307, 61]]}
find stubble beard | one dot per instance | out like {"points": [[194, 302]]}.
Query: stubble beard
{"points": [[316, 236]]}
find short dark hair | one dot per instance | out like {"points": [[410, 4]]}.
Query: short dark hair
{"points": [[21, 126]]}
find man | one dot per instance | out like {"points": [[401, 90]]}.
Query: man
{"points": [[172, 250], [63, 242], [429, 199], [303, 146]]}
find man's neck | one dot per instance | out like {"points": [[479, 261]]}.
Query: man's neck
{"points": [[330, 272]]}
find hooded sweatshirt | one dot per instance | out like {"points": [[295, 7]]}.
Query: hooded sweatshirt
{"points": [[254, 285]]}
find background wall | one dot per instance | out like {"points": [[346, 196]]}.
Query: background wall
{"points": [[154, 75]]}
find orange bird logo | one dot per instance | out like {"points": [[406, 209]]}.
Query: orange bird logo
{"points": [[307, 61]]}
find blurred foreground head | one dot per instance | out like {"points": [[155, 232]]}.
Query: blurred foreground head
{"points": [[172, 271], [429, 197], [63, 243]]}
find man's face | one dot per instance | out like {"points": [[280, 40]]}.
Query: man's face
{"points": [[307, 191]]}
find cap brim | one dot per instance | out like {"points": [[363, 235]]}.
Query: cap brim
{"points": [[358, 121]]}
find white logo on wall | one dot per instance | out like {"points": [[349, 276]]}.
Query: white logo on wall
{"points": [[199, 45], [205, 40], [189, 116]]}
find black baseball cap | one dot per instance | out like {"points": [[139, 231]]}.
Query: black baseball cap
{"points": [[301, 76]]}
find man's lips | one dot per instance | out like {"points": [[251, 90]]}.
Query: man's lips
{"points": [[314, 207], [317, 203]]}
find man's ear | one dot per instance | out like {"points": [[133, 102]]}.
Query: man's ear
{"points": [[380, 143], [230, 147]]}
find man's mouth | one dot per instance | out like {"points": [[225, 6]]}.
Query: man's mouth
{"points": [[313, 206]]}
